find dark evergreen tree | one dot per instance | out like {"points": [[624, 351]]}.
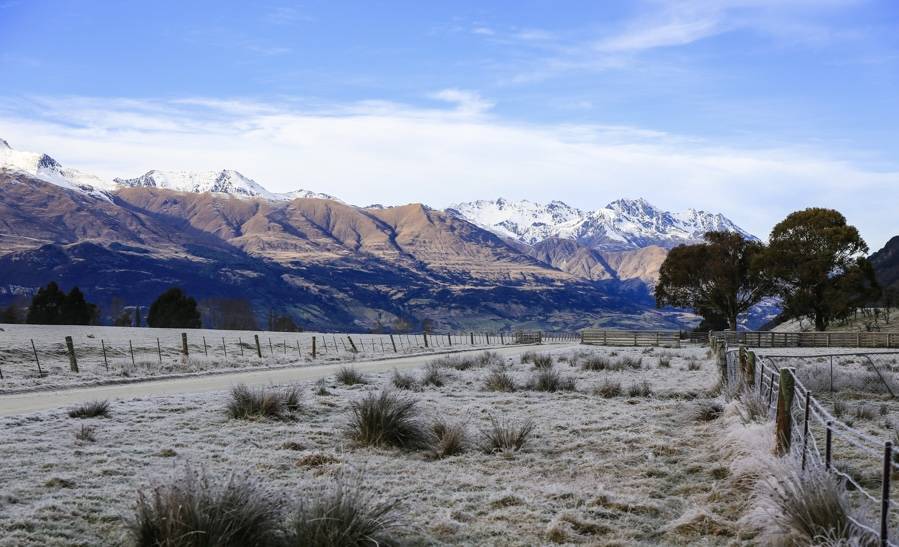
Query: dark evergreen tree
{"points": [[174, 310], [46, 306]]}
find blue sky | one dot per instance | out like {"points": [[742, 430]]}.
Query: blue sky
{"points": [[749, 107]]}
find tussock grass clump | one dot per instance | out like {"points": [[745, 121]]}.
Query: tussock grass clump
{"points": [[664, 361], [595, 363], [192, 512], [504, 436], [433, 375], [349, 376], [752, 408], [386, 419], [608, 389], [863, 412], [708, 411], [543, 361], [342, 515], [550, 380], [402, 380], [640, 389], [811, 507], [499, 380], [93, 409], [86, 434], [447, 439], [528, 357], [693, 365], [466, 362], [321, 388], [631, 362], [839, 408], [249, 404]]}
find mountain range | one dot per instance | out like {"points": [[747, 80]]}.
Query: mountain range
{"points": [[332, 265]]}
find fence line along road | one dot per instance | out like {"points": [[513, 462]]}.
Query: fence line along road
{"points": [[38, 357], [807, 431], [770, 339]]}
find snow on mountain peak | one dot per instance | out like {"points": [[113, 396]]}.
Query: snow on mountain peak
{"points": [[623, 224], [226, 181], [49, 170]]}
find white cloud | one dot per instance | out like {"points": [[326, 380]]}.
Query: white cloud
{"points": [[467, 102], [381, 152]]}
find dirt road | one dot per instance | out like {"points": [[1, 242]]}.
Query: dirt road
{"points": [[23, 403]]}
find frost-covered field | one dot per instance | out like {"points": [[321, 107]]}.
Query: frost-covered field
{"points": [[615, 470], [157, 352]]}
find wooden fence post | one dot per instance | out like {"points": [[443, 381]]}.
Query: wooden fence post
{"points": [[271, 348], [258, 347], [159, 350], [105, 361], [240, 345], [224, 347], [131, 348], [885, 493], [449, 338], [314, 349], [184, 351], [784, 425], [353, 344], [393, 343], [40, 373], [472, 338], [73, 361], [750, 368], [425, 336], [205, 347]]}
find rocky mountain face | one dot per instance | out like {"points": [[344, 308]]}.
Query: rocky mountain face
{"points": [[328, 264], [886, 264]]}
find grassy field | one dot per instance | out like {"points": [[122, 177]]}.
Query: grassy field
{"points": [[623, 453]]}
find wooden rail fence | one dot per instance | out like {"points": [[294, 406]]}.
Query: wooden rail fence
{"points": [[757, 339], [608, 337]]}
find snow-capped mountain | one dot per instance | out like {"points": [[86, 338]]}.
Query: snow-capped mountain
{"points": [[621, 225], [226, 181], [48, 169]]}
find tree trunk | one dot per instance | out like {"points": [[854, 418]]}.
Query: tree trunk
{"points": [[732, 322], [820, 323]]}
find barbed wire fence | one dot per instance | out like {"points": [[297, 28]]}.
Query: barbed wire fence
{"points": [[189, 351], [807, 431]]}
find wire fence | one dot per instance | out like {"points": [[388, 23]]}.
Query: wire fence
{"points": [[808, 431], [172, 352]]}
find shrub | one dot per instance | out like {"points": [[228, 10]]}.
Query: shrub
{"points": [[386, 419], [550, 380], [641, 389], [402, 380], [499, 380], [811, 505], [543, 361], [349, 376], [248, 404], [93, 409], [608, 389], [446, 439], [433, 375], [595, 363], [192, 512], [87, 434], [505, 436], [342, 515]]}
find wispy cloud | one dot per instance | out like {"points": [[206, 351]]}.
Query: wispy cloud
{"points": [[388, 152]]}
